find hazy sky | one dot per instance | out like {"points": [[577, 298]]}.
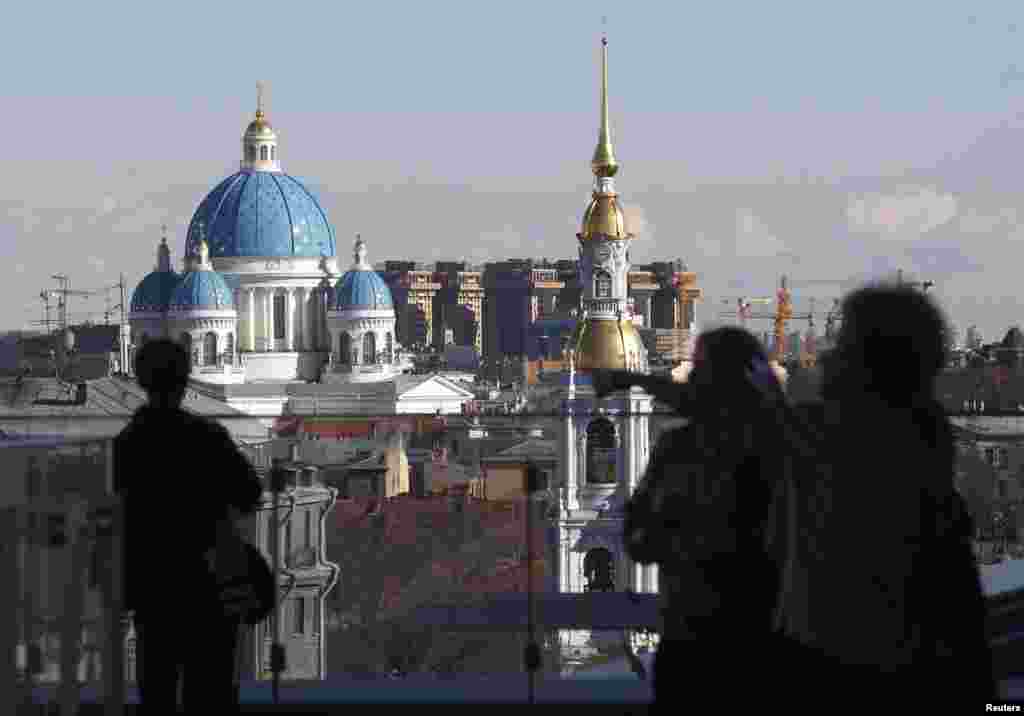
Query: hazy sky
{"points": [[830, 142]]}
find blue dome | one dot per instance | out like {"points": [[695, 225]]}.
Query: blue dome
{"points": [[153, 294], [202, 290], [262, 214], [362, 289]]}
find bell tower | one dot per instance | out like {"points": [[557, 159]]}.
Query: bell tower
{"points": [[605, 442]]}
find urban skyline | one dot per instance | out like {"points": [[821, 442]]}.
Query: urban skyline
{"points": [[839, 177]]}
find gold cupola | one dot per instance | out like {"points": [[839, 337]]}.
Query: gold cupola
{"points": [[259, 143], [608, 345], [604, 216]]}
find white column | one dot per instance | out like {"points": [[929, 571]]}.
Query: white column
{"points": [[250, 336], [289, 318], [271, 328]]}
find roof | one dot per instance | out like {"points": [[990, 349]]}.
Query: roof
{"points": [[362, 288], [201, 289], [262, 214], [153, 294], [532, 447]]}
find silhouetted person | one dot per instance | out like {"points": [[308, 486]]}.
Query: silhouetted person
{"points": [[700, 514], [179, 475], [886, 585]]}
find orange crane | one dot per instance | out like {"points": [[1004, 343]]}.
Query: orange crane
{"points": [[783, 314]]}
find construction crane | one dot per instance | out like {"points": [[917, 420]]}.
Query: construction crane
{"points": [[743, 308], [62, 295]]}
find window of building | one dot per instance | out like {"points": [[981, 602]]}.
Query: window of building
{"points": [[598, 570], [344, 349], [602, 285], [601, 457], [369, 347], [279, 312], [299, 613], [210, 348], [273, 153], [252, 152], [263, 152]]}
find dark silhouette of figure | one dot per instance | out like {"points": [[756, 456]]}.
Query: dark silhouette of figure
{"points": [[700, 513], [884, 531], [179, 475]]}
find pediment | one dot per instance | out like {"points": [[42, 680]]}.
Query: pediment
{"points": [[434, 387]]}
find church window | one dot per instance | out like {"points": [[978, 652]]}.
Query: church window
{"points": [[279, 309], [210, 349], [229, 348], [273, 153], [369, 347], [344, 349], [599, 571], [299, 612], [601, 456], [602, 285], [263, 152]]}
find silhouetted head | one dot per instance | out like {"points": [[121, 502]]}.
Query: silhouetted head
{"points": [[891, 344], [162, 367], [722, 360]]}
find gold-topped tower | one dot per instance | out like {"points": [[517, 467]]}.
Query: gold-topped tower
{"points": [[606, 336], [604, 216], [603, 163], [259, 143]]}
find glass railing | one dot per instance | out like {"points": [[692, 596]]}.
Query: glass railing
{"points": [[428, 576]]}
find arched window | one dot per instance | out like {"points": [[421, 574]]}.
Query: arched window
{"points": [[602, 285], [369, 347], [599, 571], [229, 348], [252, 152], [344, 349], [210, 349], [601, 452], [263, 152], [186, 343], [388, 347], [273, 153]]}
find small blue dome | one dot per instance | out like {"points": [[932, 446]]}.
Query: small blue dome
{"points": [[361, 288], [153, 294], [255, 213], [202, 290]]}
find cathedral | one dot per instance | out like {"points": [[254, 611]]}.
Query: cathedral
{"points": [[604, 442], [262, 299]]}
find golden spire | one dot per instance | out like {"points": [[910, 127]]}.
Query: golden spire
{"points": [[259, 100], [603, 163]]}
